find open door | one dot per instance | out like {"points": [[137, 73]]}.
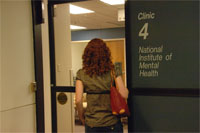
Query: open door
{"points": [[64, 115], [17, 100], [63, 64]]}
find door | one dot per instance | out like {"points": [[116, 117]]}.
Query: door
{"points": [[62, 61], [18, 108], [63, 64]]}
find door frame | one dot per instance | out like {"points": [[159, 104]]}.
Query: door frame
{"points": [[38, 61], [54, 88]]}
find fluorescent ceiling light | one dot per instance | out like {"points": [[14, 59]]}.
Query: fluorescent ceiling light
{"points": [[113, 2], [75, 27], [78, 10]]}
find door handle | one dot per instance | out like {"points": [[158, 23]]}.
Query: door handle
{"points": [[33, 86]]}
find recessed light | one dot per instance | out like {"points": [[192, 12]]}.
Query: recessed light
{"points": [[78, 10], [113, 2], [75, 27]]}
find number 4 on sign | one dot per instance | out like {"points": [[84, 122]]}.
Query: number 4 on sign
{"points": [[143, 32]]}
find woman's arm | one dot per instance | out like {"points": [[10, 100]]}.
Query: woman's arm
{"points": [[121, 87], [79, 100]]}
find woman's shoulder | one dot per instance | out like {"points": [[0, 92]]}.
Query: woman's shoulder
{"points": [[80, 71], [79, 74]]}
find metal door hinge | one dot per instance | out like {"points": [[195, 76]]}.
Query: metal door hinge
{"points": [[33, 86]]}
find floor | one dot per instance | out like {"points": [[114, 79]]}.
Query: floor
{"points": [[81, 129]]}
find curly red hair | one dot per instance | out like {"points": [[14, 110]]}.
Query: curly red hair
{"points": [[97, 58]]}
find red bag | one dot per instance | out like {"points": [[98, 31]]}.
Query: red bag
{"points": [[118, 103]]}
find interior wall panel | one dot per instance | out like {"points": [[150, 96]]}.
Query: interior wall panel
{"points": [[17, 101], [77, 52], [17, 54], [20, 119], [165, 114]]}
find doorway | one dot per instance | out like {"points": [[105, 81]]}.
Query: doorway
{"points": [[63, 51]]}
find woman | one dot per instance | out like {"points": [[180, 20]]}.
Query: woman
{"points": [[95, 79]]}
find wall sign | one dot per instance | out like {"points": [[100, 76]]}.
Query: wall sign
{"points": [[164, 39]]}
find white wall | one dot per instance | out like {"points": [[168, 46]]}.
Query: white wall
{"points": [[17, 53], [22, 113], [62, 34], [46, 71], [77, 52], [17, 67]]}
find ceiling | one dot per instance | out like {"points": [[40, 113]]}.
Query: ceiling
{"points": [[105, 16]]}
